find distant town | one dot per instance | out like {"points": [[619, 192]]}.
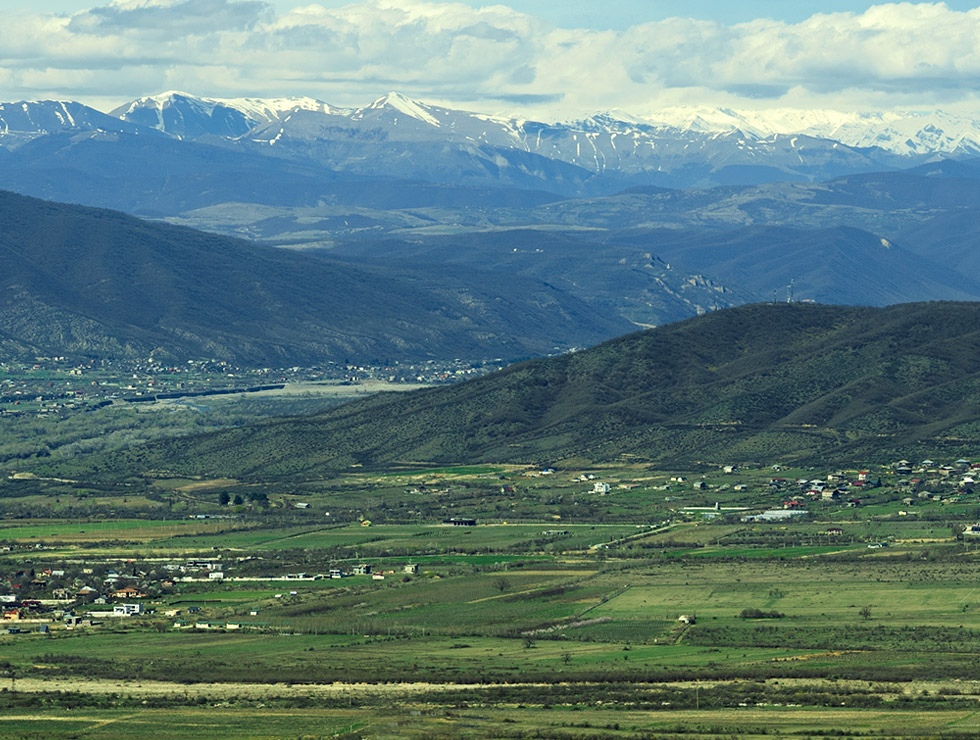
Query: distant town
{"points": [[48, 386]]}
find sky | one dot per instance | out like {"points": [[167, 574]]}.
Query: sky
{"points": [[547, 59]]}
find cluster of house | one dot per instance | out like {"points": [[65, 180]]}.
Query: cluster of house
{"points": [[538, 473], [960, 477], [365, 569], [835, 487], [32, 600], [51, 593], [940, 483], [39, 614]]}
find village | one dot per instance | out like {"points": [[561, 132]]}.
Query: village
{"points": [[45, 587], [86, 594]]}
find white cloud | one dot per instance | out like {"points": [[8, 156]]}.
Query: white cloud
{"points": [[900, 54]]}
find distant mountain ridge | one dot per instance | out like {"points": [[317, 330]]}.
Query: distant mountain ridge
{"points": [[659, 275], [84, 281]]}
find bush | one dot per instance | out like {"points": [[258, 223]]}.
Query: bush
{"points": [[759, 614]]}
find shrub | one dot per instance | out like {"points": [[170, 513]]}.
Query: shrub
{"points": [[759, 614]]}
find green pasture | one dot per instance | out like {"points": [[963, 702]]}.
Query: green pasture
{"points": [[406, 720], [254, 657], [406, 539], [801, 551], [242, 539], [618, 618], [930, 593], [184, 724], [528, 610], [136, 530]]}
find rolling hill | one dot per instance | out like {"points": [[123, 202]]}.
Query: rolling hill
{"points": [[759, 383]]}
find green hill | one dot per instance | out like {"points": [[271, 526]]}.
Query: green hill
{"points": [[756, 383]]}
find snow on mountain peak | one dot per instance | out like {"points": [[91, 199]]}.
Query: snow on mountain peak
{"points": [[271, 109], [905, 133], [164, 99], [180, 114], [405, 105], [157, 104]]}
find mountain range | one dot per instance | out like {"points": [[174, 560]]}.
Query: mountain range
{"points": [[758, 384], [397, 137]]}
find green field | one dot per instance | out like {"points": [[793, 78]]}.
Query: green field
{"points": [[127, 530], [409, 722]]}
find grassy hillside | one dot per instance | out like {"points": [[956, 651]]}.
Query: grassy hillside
{"points": [[756, 383]]}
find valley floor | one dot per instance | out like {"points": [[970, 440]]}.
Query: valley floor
{"points": [[616, 602]]}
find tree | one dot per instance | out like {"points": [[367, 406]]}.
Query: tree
{"points": [[501, 583], [865, 612], [223, 498]]}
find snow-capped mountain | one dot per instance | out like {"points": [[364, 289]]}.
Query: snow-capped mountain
{"points": [[617, 148], [607, 143], [395, 109], [26, 120], [903, 133], [401, 138], [185, 116]]}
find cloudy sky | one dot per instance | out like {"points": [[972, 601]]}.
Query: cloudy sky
{"points": [[545, 58]]}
